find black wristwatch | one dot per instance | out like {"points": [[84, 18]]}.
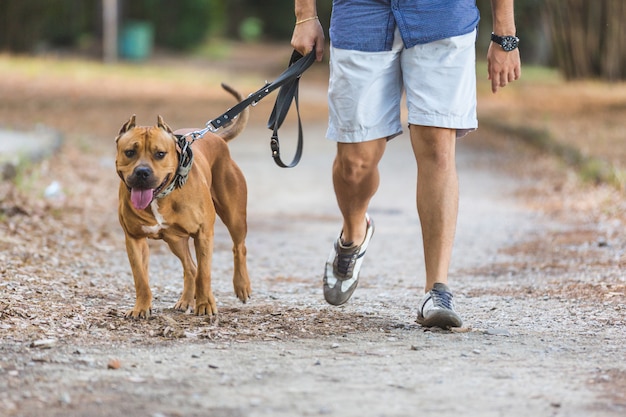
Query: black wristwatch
{"points": [[508, 43]]}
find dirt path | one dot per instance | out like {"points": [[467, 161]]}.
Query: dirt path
{"points": [[542, 295]]}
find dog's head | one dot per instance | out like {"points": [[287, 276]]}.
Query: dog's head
{"points": [[146, 160]]}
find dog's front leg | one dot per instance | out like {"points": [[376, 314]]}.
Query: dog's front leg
{"points": [[180, 248], [205, 302], [138, 256]]}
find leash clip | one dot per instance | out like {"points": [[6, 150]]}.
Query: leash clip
{"points": [[195, 135], [208, 127]]}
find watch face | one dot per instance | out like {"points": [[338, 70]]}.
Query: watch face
{"points": [[509, 43]]}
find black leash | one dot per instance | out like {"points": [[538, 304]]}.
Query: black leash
{"points": [[288, 83], [287, 94]]}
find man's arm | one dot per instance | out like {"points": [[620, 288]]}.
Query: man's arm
{"points": [[503, 67], [307, 33]]}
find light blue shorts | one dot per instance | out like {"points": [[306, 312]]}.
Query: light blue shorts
{"points": [[366, 88]]}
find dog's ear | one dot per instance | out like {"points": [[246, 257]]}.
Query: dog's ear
{"points": [[162, 125], [126, 126]]}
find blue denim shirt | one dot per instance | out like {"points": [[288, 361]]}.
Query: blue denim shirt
{"points": [[369, 25]]}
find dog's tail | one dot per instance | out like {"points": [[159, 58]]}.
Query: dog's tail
{"points": [[236, 127]]}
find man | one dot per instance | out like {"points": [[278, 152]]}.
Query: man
{"points": [[378, 49]]}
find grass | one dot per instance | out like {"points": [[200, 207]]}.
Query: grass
{"points": [[214, 49], [589, 168], [88, 71], [574, 121], [26, 175]]}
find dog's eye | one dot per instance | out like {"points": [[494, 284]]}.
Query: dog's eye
{"points": [[159, 155], [130, 153]]}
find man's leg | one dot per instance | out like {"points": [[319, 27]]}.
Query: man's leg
{"points": [[356, 179], [437, 197], [355, 176], [438, 206]]}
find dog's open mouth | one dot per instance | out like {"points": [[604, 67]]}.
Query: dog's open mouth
{"points": [[141, 198]]}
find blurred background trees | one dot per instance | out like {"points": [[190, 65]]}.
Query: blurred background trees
{"points": [[584, 39], [589, 37]]}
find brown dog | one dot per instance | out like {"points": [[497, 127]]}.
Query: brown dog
{"points": [[148, 164]]}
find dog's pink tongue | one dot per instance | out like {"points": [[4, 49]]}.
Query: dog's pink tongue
{"points": [[141, 198]]}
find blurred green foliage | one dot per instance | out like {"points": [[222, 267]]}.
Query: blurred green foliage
{"points": [[32, 25], [181, 24]]}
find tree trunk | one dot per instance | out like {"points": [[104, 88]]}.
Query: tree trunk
{"points": [[589, 37]]}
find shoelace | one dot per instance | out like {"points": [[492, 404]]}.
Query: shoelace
{"points": [[345, 261], [441, 299]]}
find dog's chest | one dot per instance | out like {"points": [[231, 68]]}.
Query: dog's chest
{"points": [[159, 219]]}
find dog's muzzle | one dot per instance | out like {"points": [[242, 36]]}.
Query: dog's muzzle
{"points": [[143, 186]]}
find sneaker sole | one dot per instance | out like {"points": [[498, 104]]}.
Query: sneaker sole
{"points": [[336, 295], [444, 319]]}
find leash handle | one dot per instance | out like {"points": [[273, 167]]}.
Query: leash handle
{"points": [[295, 70], [287, 94], [288, 83]]}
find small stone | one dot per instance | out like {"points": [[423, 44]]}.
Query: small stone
{"points": [[53, 190], [114, 364]]}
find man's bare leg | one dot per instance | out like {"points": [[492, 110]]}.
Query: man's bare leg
{"points": [[437, 197], [356, 179]]}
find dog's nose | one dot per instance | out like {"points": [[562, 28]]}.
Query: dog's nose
{"points": [[143, 172]]}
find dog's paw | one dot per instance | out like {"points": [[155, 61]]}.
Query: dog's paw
{"points": [[206, 309], [242, 289], [243, 293], [138, 313], [184, 305]]}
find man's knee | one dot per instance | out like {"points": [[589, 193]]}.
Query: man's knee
{"points": [[434, 145], [356, 162], [353, 168]]}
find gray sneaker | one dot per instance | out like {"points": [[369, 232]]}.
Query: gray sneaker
{"points": [[437, 309], [341, 273]]}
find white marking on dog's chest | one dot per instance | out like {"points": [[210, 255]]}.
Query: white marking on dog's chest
{"points": [[154, 206]]}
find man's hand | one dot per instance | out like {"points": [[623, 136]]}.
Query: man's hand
{"points": [[307, 36], [503, 67]]}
